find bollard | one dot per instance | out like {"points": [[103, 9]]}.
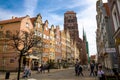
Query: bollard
{"points": [[7, 75]]}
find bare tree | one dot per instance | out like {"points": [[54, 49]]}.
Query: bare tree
{"points": [[23, 41]]}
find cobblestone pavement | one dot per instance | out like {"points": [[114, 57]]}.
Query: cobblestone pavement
{"points": [[56, 74], [63, 74]]}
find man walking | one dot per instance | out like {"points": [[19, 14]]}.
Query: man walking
{"points": [[80, 70], [92, 69], [76, 68]]}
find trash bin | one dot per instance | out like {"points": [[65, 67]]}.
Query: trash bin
{"points": [[7, 75]]}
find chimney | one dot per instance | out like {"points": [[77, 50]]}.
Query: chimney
{"points": [[13, 17]]}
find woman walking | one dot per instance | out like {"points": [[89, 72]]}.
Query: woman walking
{"points": [[100, 73]]}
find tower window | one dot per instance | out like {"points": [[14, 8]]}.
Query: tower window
{"points": [[69, 21]]}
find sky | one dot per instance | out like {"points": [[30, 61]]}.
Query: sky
{"points": [[53, 11]]}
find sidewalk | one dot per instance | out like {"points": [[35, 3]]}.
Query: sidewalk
{"points": [[13, 75]]}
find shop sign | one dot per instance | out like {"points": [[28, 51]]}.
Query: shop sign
{"points": [[110, 50]]}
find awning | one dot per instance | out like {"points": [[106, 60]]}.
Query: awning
{"points": [[32, 57]]}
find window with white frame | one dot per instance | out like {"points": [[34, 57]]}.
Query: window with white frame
{"points": [[46, 28], [27, 24], [38, 25], [40, 34], [44, 36], [48, 37], [35, 32]]}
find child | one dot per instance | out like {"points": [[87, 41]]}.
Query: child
{"points": [[100, 74]]}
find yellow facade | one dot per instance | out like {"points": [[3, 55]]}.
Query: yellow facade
{"points": [[46, 42], [52, 43], [63, 45]]}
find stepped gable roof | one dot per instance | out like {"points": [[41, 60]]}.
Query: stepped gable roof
{"points": [[16, 19]]}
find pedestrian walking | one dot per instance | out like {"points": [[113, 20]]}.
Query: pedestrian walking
{"points": [[39, 69], [43, 68], [100, 73], [76, 68], [48, 67], [27, 72], [116, 73], [96, 69], [80, 70], [92, 69]]}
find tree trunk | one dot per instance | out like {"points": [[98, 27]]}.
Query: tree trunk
{"points": [[19, 67]]}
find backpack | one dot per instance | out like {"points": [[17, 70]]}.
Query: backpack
{"points": [[80, 68]]}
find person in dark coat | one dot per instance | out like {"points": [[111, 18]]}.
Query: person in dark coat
{"points": [[92, 69], [48, 67], [116, 73], [80, 70], [76, 69]]}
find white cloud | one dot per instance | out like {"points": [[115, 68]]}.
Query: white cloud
{"points": [[30, 6], [87, 19], [6, 14], [56, 18], [29, 10], [76, 4]]}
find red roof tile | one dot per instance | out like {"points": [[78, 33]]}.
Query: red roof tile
{"points": [[11, 20]]}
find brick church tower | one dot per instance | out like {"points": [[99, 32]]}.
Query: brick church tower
{"points": [[70, 23]]}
